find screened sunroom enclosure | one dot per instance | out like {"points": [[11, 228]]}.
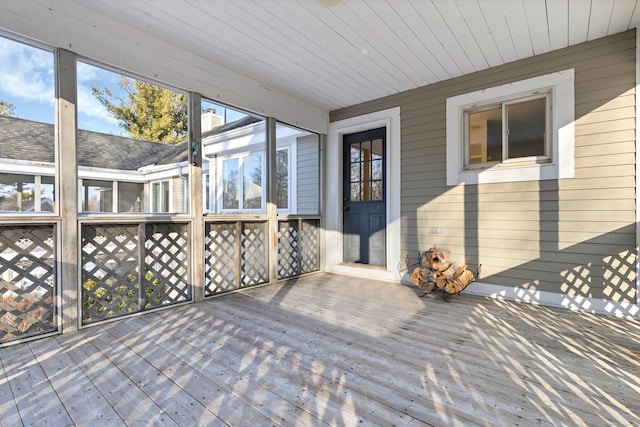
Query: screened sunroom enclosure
{"points": [[98, 225]]}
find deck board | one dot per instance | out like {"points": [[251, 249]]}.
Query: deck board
{"points": [[331, 350]]}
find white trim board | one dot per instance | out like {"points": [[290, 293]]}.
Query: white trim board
{"points": [[550, 299], [333, 243]]}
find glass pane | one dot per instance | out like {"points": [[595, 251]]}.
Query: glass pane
{"points": [[376, 169], [355, 192], [355, 153], [47, 194], [206, 192], [366, 171], [17, 193], [365, 191], [252, 183], [376, 190], [376, 149], [27, 161], [527, 128], [366, 151], [485, 136], [130, 196], [282, 179], [97, 196], [355, 172], [230, 193], [230, 139], [165, 197], [137, 130]]}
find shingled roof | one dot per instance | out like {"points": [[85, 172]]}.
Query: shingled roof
{"points": [[22, 139]]}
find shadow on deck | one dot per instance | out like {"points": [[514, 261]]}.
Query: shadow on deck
{"points": [[331, 350]]}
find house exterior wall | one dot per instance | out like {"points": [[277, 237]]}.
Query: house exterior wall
{"points": [[573, 237], [307, 175]]}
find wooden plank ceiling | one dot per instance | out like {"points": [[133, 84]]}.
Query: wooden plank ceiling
{"points": [[337, 53]]}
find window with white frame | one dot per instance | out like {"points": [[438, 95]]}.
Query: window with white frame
{"points": [[96, 195], [160, 196], [241, 182], [515, 132], [26, 193]]}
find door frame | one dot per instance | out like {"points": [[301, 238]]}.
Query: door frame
{"points": [[332, 259]]}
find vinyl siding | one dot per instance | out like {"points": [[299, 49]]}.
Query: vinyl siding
{"points": [[572, 236], [307, 175]]}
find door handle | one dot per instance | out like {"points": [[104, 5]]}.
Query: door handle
{"points": [[345, 208]]}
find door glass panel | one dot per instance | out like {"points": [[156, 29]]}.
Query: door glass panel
{"points": [[376, 191], [376, 169], [355, 191], [355, 172], [376, 149], [366, 166]]}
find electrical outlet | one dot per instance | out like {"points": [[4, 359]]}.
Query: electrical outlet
{"points": [[435, 230]]}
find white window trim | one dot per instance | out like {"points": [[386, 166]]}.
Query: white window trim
{"points": [[561, 85], [292, 193], [241, 158], [152, 196]]}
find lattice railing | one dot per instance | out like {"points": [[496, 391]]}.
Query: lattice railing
{"points": [[236, 255], [113, 283], [298, 247], [27, 281]]}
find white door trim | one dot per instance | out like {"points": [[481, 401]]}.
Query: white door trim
{"points": [[333, 241]]}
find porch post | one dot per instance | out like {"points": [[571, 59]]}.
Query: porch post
{"points": [[196, 195], [272, 209], [67, 187]]}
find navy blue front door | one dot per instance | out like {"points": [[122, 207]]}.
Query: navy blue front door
{"points": [[364, 207]]}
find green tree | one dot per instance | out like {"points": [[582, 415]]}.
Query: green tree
{"points": [[7, 108], [147, 112]]}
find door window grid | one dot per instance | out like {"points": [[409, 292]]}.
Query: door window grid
{"points": [[366, 171]]}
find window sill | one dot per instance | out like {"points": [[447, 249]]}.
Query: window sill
{"points": [[508, 174]]}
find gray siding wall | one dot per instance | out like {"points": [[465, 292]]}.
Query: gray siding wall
{"points": [[177, 195], [308, 163], [573, 236]]}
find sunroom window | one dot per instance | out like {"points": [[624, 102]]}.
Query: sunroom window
{"points": [[27, 138], [160, 196], [241, 180], [507, 132]]}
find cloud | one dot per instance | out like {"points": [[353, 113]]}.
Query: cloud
{"points": [[90, 107], [92, 115], [26, 73]]}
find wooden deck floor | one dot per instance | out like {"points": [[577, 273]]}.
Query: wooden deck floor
{"points": [[331, 350]]}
